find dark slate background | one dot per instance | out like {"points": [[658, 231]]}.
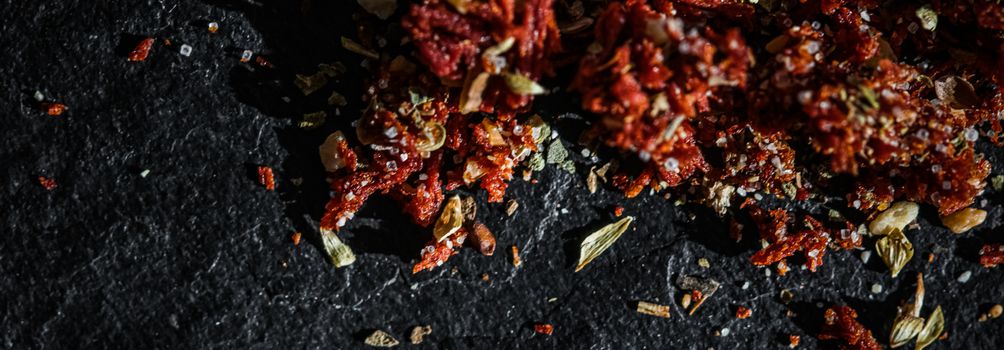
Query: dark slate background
{"points": [[198, 255]]}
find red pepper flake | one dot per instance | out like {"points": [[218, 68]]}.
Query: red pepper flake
{"points": [[265, 177], [543, 328], [141, 51], [618, 211], [991, 255], [743, 313], [296, 238], [54, 108], [262, 61], [840, 322], [793, 341], [436, 253], [47, 183]]}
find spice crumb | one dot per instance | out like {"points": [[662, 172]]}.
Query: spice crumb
{"points": [[703, 262], [381, 339], [144, 173], [653, 309], [265, 177], [296, 238], [876, 288], [743, 313], [793, 341], [516, 261], [996, 311], [543, 328], [418, 334], [47, 183], [511, 207]]}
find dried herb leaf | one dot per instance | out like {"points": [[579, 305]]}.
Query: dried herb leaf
{"points": [[652, 309], [895, 251], [310, 83], [313, 120], [869, 95], [339, 253], [523, 85], [418, 334], [450, 220], [381, 339], [598, 242], [932, 329], [383, 9], [353, 46], [556, 152], [904, 329], [470, 209]]}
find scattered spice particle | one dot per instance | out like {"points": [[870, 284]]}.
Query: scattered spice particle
{"points": [[793, 341], [265, 177], [653, 309], [743, 313], [54, 109], [213, 27], [964, 277], [47, 183], [516, 261], [144, 173], [511, 207], [296, 238], [418, 334], [484, 277], [618, 211], [185, 50], [543, 328], [141, 51], [263, 62], [787, 296], [381, 339], [996, 311], [964, 220], [840, 322], [246, 56], [703, 262]]}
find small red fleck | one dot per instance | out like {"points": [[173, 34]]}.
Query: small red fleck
{"points": [[262, 61], [47, 183], [516, 261], [618, 211], [296, 238], [543, 328], [54, 108], [782, 268], [141, 51], [743, 313], [793, 340], [696, 295], [265, 177]]}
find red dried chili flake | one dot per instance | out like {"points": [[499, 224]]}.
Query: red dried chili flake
{"points": [[296, 238], [141, 50], [543, 328], [793, 341], [54, 108], [840, 323], [47, 183], [743, 313], [262, 61], [516, 261], [618, 211], [265, 177], [811, 241], [436, 253], [991, 255]]}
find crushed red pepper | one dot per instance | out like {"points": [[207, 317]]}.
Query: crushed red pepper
{"points": [[47, 183], [141, 50], [54, 108], [992, 255], [265, 177], [743, 313], [543, 328], [840, 323]]}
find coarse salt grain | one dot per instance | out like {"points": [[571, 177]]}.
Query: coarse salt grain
{"points": [[964, 277]]}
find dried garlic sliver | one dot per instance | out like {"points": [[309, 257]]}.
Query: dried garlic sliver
{"points": [[523, 85], [895, 250], [895, 218], [932, 329], [598, 242], [450, 220]]}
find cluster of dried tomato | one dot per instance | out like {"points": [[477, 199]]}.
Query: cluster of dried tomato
{"points": [[712, 93], [840, 323]]}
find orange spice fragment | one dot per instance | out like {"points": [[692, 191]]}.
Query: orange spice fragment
{"points": [[265, 177], [141, 51], [54, 108], [618, 211], [296, 238], [47, 183], [793, 341], [743, 313], [516, 261], [543, 328]]}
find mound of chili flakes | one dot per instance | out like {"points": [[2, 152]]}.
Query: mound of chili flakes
{"points": [[729, 97]]}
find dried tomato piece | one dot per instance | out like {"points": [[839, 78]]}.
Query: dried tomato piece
{"points": [[743, 312], [141, 50], [265, 177], [543, 328], [54, 108], [47, 183], [991, 255], [436, 253], [840, 323]]}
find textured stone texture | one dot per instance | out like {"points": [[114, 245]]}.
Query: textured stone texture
{"points": [[197, 255]]}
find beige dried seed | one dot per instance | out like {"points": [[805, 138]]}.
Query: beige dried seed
{"points": [[895, 218], [996, 311], [964, 220], [418, 334], [653, 309], [381, 339]]}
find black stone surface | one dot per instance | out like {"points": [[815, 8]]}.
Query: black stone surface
{"points": [[198, 255]]}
